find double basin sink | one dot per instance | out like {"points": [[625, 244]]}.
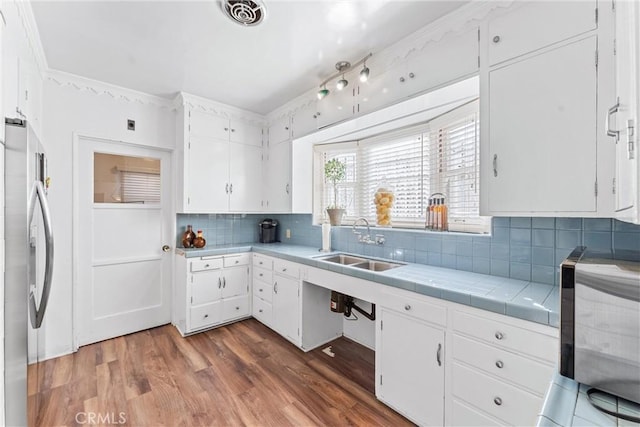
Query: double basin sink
{"points": [[360, 262]]}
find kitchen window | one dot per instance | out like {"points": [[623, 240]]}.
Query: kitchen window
{"points": [[439, 156]]}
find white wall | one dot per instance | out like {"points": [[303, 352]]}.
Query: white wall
{"points": [[76, 105], [363, 330]]}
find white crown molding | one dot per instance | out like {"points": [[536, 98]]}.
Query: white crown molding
{"points": [[291, 107], [30, 28], [98, 88], [194, 102]]}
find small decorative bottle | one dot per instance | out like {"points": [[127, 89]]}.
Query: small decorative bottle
{"points": [[188, 237], [199, 241]]}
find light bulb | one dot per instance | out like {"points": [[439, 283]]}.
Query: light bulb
{"points": [[364, 74], [342, 83]]}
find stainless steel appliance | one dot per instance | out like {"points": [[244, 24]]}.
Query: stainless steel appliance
{"points": [[29, 265], [600, 320], [268, 230]]}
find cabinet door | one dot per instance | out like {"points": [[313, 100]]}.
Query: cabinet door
{"points": [[627, 51], [245, 165], [205, 125], [245, 133], [207, 175], [279, 131], [235, 281], [305, 120], [286, 307], [383, 89], [542, 123], [2, 97], [278, 178], [339, 104], [535, 24], [206, 287], [412, 368], [30, 93]]}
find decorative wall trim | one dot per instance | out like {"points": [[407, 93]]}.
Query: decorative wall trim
{"points": [[94, 87], [194, 102]]}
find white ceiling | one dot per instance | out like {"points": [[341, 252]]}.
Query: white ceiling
{"points": [[163, 47]]}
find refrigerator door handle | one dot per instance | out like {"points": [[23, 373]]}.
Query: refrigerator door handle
{"points": [[37, 311]]}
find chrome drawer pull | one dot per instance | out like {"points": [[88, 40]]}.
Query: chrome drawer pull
{"points": [[439, 354], [497, 401], [260, 311], [284, 269], [499, 335], [206, 266], [260, 274], [407, 307], [206, 315], [499, 364], [260, 290], [237, 308]]}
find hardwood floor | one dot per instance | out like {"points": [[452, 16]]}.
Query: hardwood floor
{"points": [[240, 374]]}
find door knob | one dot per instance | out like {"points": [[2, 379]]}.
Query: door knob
{"points": [[166, 248]]}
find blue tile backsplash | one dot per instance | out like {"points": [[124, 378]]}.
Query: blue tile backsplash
{"points": [[519, 248]]}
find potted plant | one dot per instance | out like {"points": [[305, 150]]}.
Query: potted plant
{"points": [[334, 172]]}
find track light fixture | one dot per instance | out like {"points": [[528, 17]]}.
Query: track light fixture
{"points": [[342, 67]]}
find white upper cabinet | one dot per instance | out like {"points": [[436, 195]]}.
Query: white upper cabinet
{"points": [[542, 133], [280, 130], [533, 25], [338, 105], [222, 164], [278, 178], [623, 117], [384, 88], [305, 120]]}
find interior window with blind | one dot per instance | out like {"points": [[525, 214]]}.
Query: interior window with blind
{"points": [[125, 179], [439, 156]]}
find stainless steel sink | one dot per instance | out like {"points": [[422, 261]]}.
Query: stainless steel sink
{"points": [[360, 262], [342, 259], [377, 265]]}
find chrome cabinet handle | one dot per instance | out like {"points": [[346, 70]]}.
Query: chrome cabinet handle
{"points": [[499, 364], [237, 308], [206, 266], [237, 261], [260, 290], [206, 315], [607, 121], [231, 188], [284, 269], [226, 129], [401, 79], [275, 288], [260, 274], [407, 307], [439, 354], [411, 75], [499, 335], [260, 311], [37, 313], [219, 283], [497, 401], [495, 165], [224, 282], [226, 188], [233, 130], [496, 39], [286, 188]]}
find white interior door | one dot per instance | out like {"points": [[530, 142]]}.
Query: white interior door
{"points": [[123, 223]]}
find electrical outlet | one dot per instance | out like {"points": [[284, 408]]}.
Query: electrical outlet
{"points": [[288, 233]]}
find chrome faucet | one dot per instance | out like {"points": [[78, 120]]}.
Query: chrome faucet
{"points": [[379, 240]]}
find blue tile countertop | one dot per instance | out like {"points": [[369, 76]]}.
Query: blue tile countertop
{"points": [[566, 404], [531, 301]]}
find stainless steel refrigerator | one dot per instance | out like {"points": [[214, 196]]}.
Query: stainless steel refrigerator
{"points": [[28, 267]]}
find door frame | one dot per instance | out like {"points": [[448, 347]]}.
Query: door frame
{"points": [[75, 209]]}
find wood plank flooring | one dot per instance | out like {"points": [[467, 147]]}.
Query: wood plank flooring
{"points": [[240, 374]]}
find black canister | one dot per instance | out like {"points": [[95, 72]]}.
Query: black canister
{"points": [[268, 230]]}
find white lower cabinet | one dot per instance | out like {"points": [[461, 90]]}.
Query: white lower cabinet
{"points": [[286, 307], [411, 371], [210, 291]]}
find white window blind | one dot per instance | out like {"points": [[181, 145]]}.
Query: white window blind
{"points": [[440, 156], [140, 187]]}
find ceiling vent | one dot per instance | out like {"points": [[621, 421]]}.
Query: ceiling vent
{"points": [[247, 13]]}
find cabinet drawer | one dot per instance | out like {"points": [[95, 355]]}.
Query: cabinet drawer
{"points": [[463, 416], [234, 308], [262, 310], [415, 307], [262, 274], [286, 268], [533, 25], [503, 401], [236, 260], [507, 336], [263, 290], [201, 264], [204, 315], [503, 364], [263, 261]]}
